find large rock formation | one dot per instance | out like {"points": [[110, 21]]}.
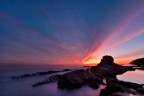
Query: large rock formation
{"points": [[138, 62], [93, 76], [107, 67], [107, 60]]}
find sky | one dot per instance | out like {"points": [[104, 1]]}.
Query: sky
{"points": [[70, 31]]}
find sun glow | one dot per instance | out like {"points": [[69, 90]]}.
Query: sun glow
{"points": [[91, 61], [70, 37]]}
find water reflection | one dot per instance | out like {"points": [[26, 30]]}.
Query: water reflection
{"points": [[136, 76], [84, 91]]}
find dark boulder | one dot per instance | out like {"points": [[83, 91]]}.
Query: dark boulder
{"points": [[79, 78], [68, 83]]}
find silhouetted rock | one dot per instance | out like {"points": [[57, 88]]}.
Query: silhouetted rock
{"points": [[50, 79], [138, 62], [108, 68], [113, 89], [38, 74], [116, 87], [107, 60], [66, 82], [66, 70], [141, 90], [76, 79], [87, 66], [93, 76]]}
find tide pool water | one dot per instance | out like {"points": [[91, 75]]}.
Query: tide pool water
{"points": [[136, 76]]}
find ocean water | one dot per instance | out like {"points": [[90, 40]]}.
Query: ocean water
{"points": [[23, 87]]}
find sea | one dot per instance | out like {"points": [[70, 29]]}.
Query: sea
{"points": [[23, 87]]}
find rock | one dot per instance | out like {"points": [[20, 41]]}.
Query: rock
{"points": [[138, 62], [114, 86], [105, 92], [50, 79], [94, 82], [121, 94], [86, 66], [140, 90], [66, 70], [94, 85], [114, 89], [76, 79], [123, 83], [129, 84], [107, 60], [65, 82], [37, 74], [92, 76]]}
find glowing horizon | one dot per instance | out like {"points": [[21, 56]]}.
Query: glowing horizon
{"points": [[70, 32]]}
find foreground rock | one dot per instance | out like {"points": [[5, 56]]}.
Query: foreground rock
{"points": [[121, 88], [79, 78], [93, 76]]}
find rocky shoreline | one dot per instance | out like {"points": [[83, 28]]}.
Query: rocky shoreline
{"points": [[93, 77]]}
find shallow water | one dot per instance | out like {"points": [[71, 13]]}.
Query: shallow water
{"points": [[136, 76]]}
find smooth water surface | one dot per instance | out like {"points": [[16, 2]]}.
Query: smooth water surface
{"points": [[136, 76], [23, 87]]}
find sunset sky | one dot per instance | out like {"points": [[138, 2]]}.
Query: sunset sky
{"points": [[70, 31]]}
